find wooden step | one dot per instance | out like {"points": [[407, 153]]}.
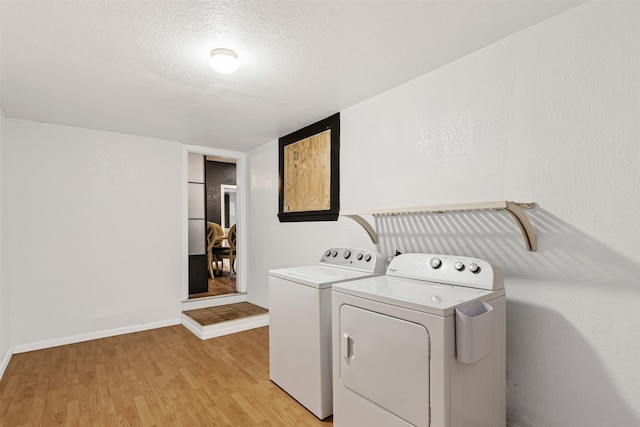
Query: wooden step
{"points": [[226, 319]]}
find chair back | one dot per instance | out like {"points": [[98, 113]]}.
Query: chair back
{"points": [[232, 238], [215, 235]]}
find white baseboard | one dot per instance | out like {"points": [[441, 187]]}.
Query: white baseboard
{"points": [[192, 325], [23, 348], [5, 362], [224, 328], [207, 332], [199, 303]]}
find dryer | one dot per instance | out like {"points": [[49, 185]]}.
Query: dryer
{"points": [[300, 323], [424, 345]]}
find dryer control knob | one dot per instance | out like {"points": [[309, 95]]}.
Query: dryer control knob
{"points": [[458, 266], [435, 263], [328, 253], [367, 257], [334, 253], [346, 254], [359, 256], [474, 268]]}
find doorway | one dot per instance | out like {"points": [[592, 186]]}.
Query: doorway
{"points": [[215, 194], [228, 203]]}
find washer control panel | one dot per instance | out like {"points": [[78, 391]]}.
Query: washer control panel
{"points": [[447, 269], [357, 259]]}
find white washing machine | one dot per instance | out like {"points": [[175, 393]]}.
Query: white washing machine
{"points": [[300, 323], [424, 345]]}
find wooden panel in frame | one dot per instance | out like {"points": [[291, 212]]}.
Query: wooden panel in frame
{"points": [[309, 173]]}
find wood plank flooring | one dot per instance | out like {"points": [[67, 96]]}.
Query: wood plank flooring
{"points": [[161, 377], [225, 313], [224, 284]]}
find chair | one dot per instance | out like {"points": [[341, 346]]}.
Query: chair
{"points": [[215, 236], [228, 253]]}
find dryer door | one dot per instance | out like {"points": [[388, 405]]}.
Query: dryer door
{"points": [[386, 360]]}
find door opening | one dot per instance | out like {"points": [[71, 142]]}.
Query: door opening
{"points": [[215, 224]]}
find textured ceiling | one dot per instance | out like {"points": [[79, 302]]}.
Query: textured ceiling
{"points": [[141, 67]]}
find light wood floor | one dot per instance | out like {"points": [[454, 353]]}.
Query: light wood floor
{"points": [[225, 313], [162, 377], [224, 284]]}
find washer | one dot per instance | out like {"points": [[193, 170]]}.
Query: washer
{"points": [[300, 323], [394, 345]]}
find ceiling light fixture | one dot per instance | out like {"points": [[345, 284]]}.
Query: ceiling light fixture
{"points": [[224, 60]]}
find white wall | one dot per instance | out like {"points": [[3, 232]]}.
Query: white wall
{"points": [[94, 231], [274, 245], [549, 115]]}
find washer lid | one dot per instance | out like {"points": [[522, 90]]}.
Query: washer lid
{"points": [[428, 297], [319, 276]]}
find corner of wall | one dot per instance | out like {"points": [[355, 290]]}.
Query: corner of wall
{"points": [[5, 354], [5, 362]]}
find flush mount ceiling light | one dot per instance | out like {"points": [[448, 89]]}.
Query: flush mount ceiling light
{"points": [[224, 60]]}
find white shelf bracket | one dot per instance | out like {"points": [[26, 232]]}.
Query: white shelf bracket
{"points": [[365, 224], [521, 218]]}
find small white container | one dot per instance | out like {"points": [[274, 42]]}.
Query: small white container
{"points": [[474, 331]]}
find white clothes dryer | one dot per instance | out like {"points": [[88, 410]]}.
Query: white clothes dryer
{"points": [[300, 323], [424, 345]]}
